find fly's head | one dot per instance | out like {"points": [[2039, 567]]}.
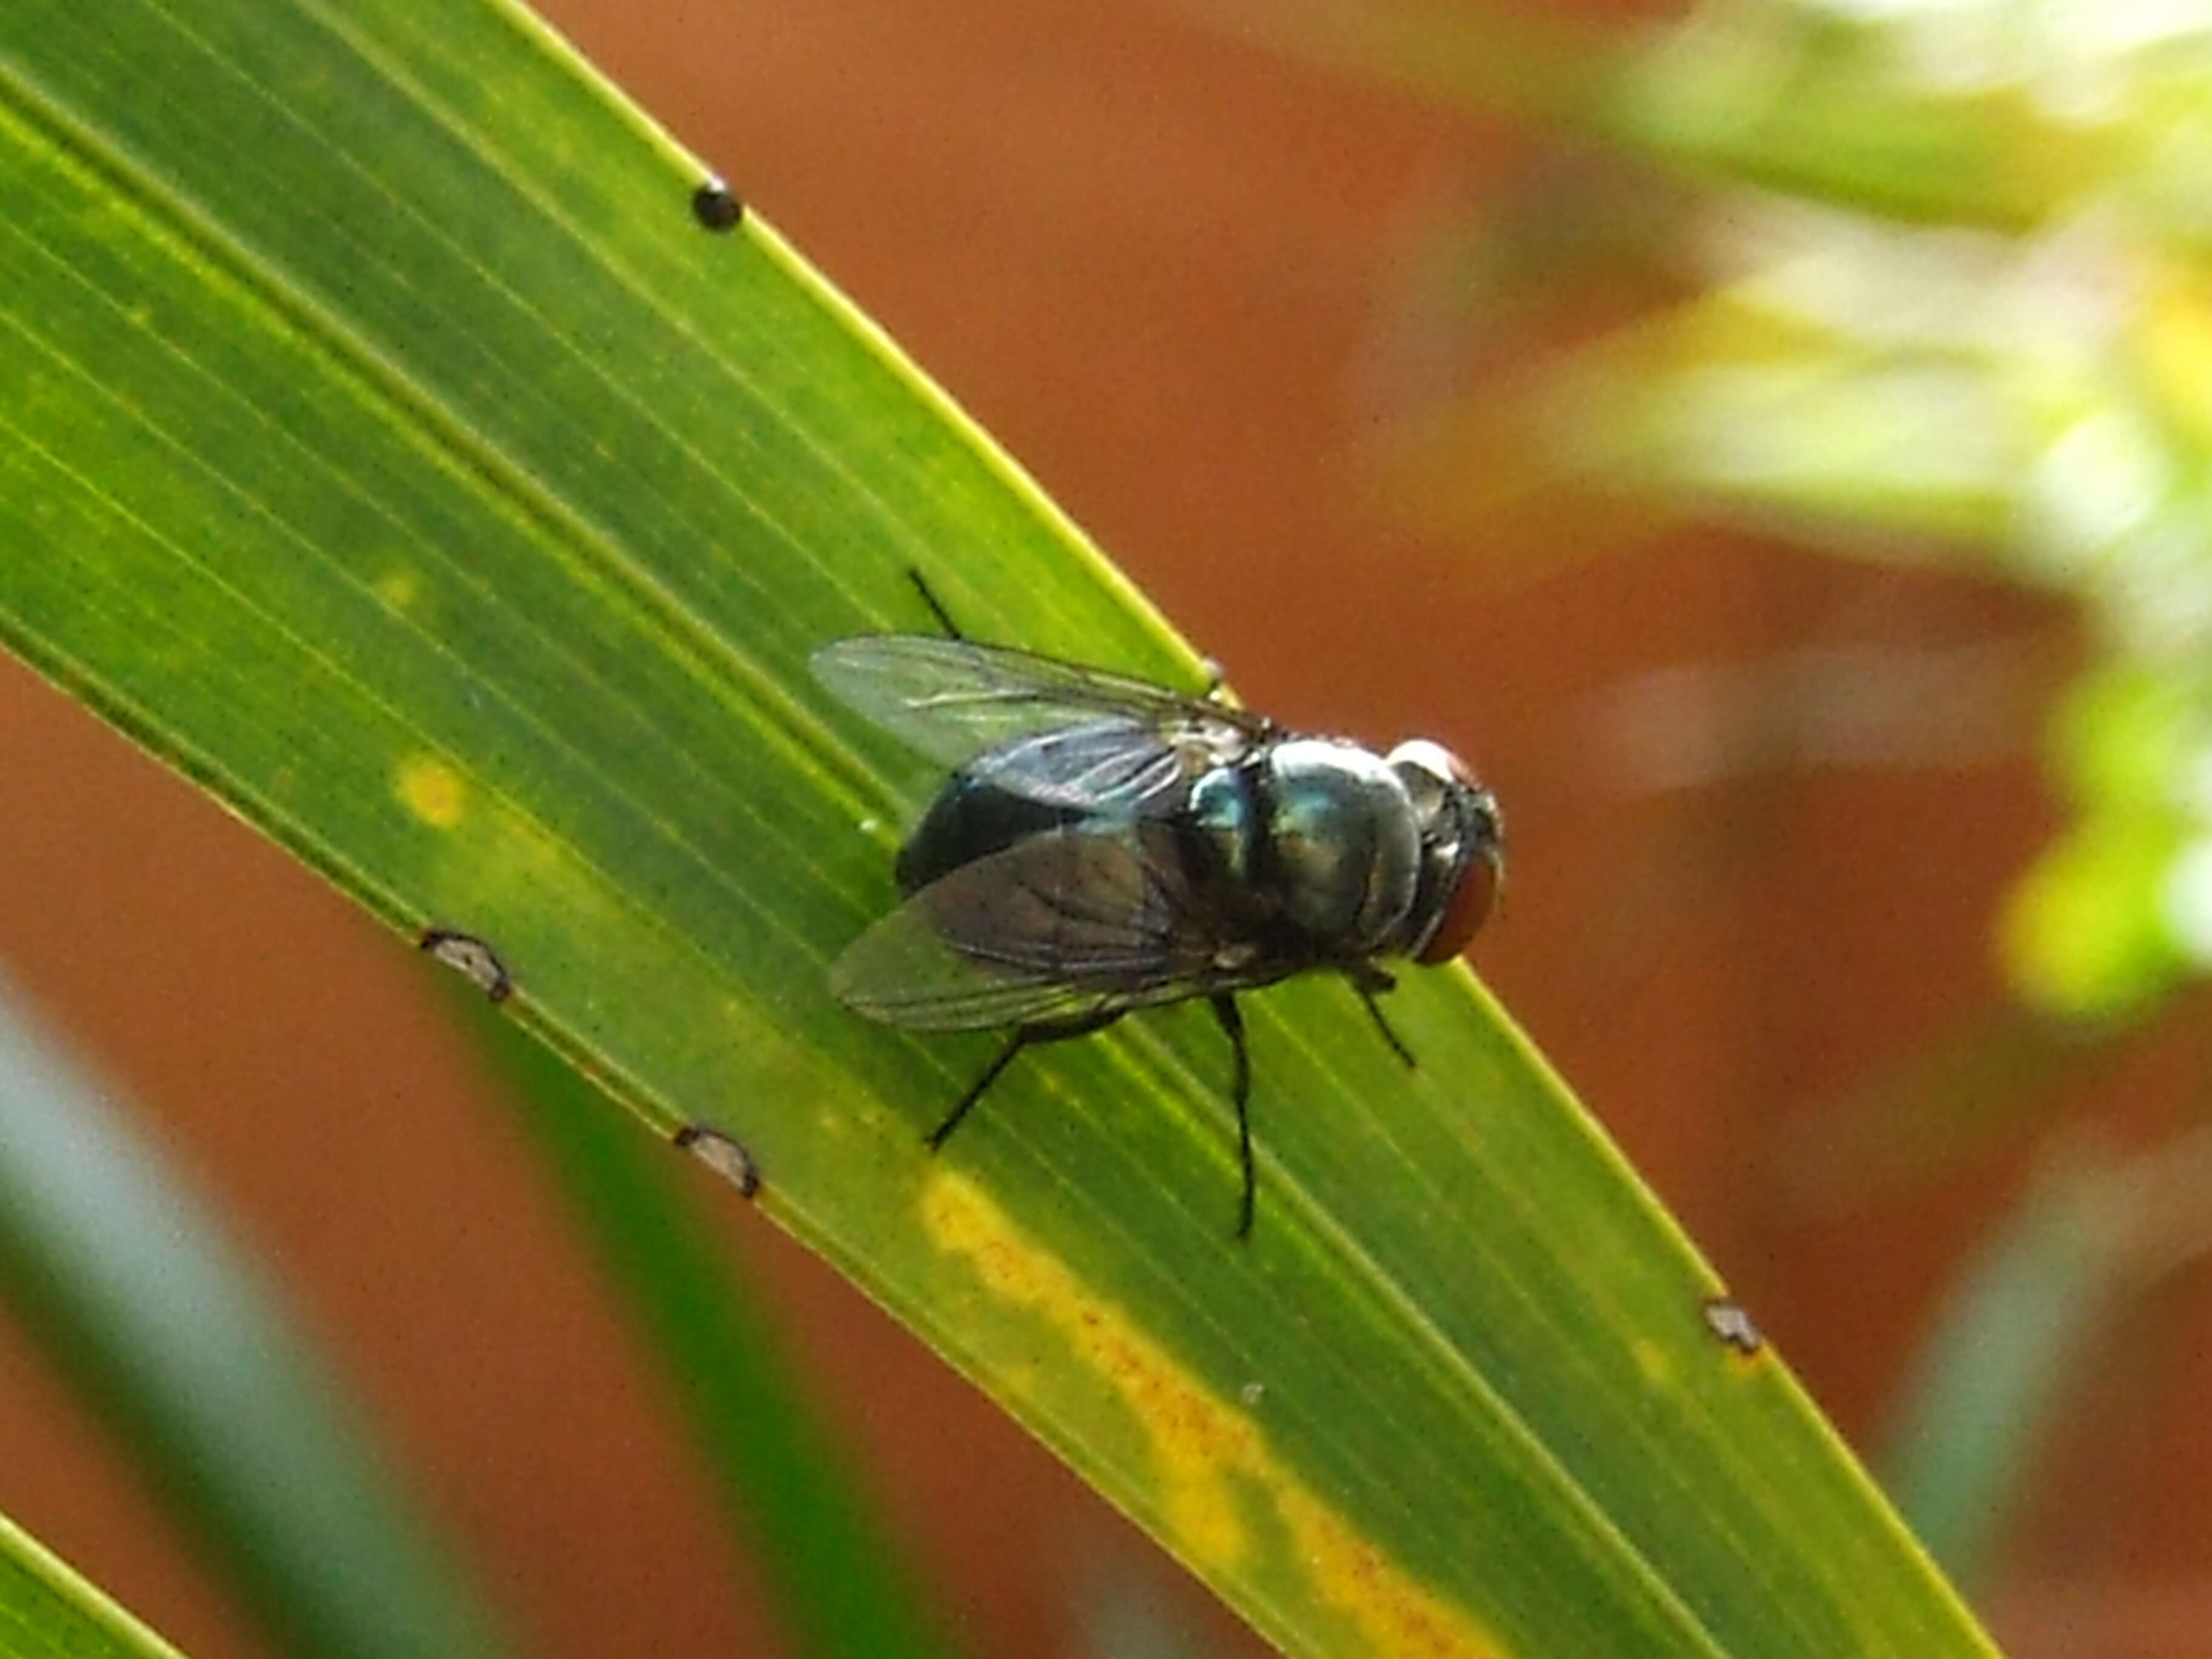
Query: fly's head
{"points": [[1462, 862]]}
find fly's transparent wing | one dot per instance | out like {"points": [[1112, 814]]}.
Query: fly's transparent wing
{"points": [[1052, 731], [1098, 763], [1060, 926]]}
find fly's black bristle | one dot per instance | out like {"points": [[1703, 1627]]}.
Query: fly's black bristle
{"points": [[715, 207]]}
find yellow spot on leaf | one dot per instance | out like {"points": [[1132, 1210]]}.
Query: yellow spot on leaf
{"points": [[1654, 1361], [1395, 1615], [1205, 1450], [432, 791], [396, 588]]}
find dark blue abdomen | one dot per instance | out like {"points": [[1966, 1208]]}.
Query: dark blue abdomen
{"points": [[970, 820]]}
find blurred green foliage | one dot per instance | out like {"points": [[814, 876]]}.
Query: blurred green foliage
{"points": [[1923, 280], [182, 1340]]}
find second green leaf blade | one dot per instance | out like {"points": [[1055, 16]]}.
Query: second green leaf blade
{"points": [[397, 455]]}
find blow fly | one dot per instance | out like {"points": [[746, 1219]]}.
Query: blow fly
{"points": [[1104, 844]]}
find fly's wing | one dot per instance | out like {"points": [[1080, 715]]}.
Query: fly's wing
{"points": [[1054, 732], [1060, 926]]}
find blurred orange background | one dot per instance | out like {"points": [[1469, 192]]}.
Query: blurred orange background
{"points": [[1155, 262]]}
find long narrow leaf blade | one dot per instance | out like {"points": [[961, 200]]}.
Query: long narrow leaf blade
{"points": [[401, 456], [140, 1295]]}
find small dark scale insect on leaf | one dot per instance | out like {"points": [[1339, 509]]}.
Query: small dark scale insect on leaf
{"points": [[1103, 844], [716, 207]]}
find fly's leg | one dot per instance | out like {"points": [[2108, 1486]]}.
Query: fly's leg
{"points": [[1020, 1040], [929, 597], [1240, 1089], [1025, 1036], [1371, 981]]}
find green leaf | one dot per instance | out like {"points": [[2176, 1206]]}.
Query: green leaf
{"points": [[139, 1294], [2038, 1307], [2015, 1328], [391, 449], [47, 1611], [2088, 933]]}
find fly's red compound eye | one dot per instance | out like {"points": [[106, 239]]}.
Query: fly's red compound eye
{"points": [[1459, 824], [1465, 912]]}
